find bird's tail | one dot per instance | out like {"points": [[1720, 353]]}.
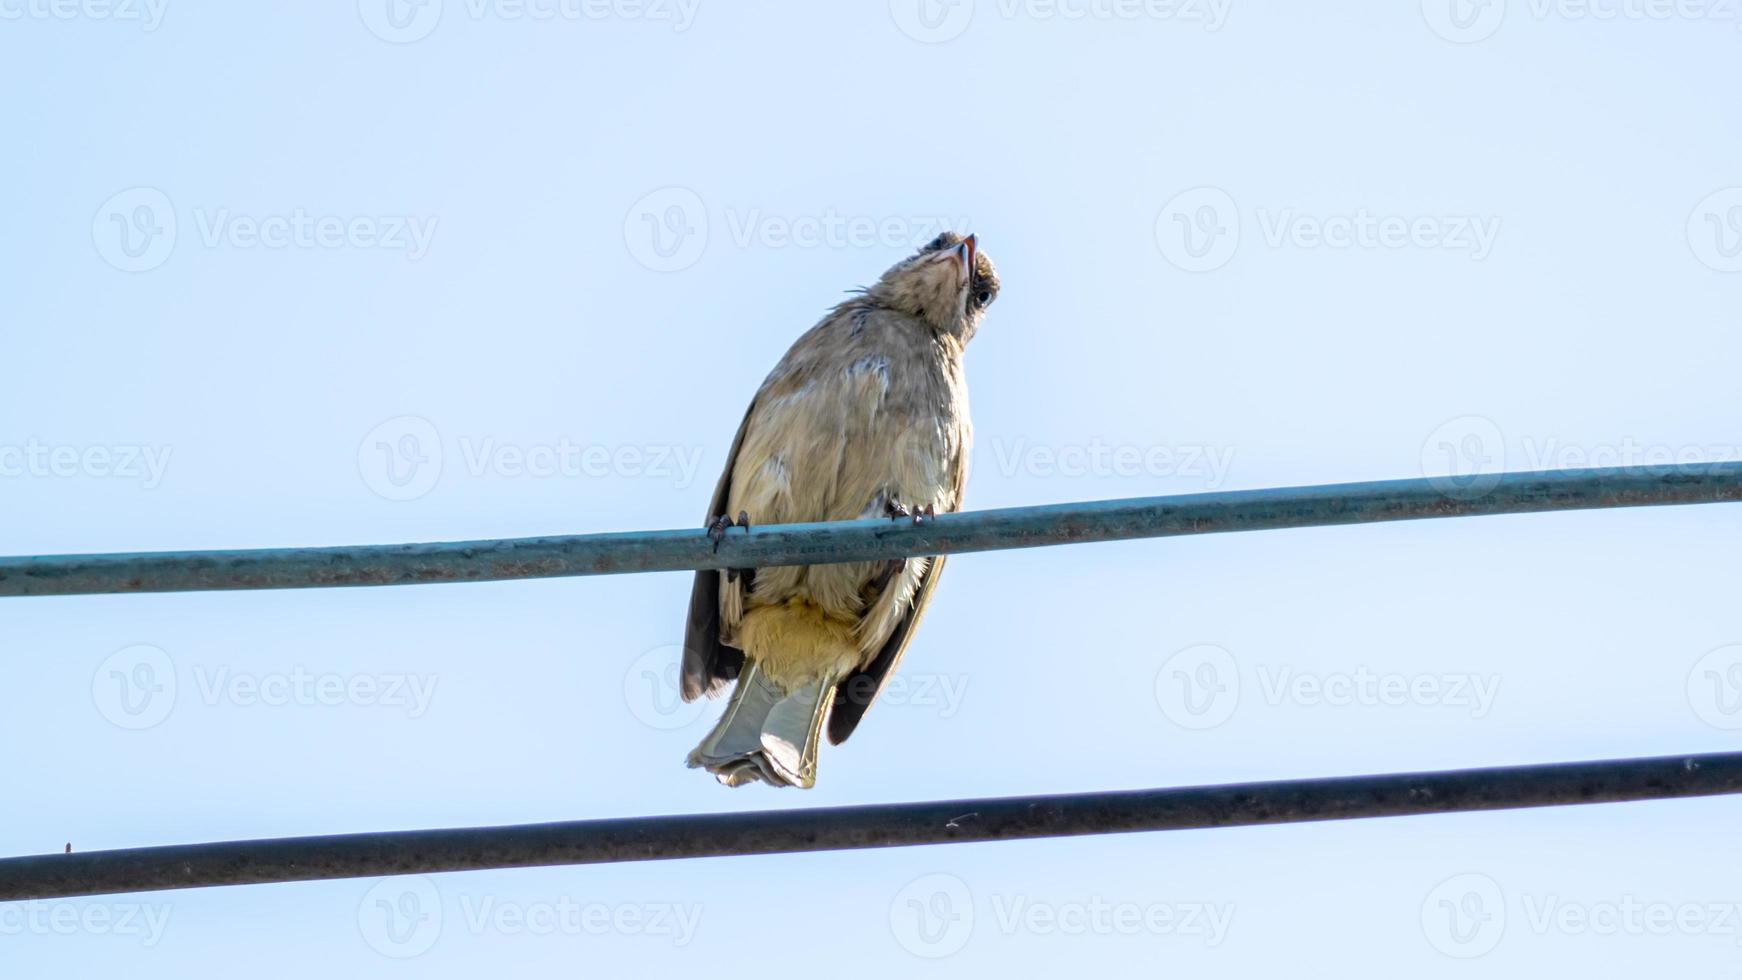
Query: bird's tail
{"points": [[766, 732]]}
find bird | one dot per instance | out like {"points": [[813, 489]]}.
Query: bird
{"points": [[866, 416]]}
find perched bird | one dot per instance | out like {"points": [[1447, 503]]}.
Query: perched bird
{"points": [[866, 416]]}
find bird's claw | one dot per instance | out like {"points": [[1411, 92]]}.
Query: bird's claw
{"points": [[717, 530], [718, 526], [897, 511]]}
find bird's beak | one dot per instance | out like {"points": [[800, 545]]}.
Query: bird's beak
{"points": [[964, 253]]}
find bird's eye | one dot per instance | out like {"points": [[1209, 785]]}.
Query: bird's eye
{"points": [[985, 297]]}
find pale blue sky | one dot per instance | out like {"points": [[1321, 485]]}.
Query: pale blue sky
{"points": [[550, 257]]}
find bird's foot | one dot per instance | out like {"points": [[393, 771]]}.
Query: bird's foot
{"points": [[717, 530], [917, 514]]}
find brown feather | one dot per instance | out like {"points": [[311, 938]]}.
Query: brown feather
{"points": [[708, 664]]}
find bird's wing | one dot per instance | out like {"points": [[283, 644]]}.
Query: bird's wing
{"points": [[708, 664], [778, 409], [854, 696]]}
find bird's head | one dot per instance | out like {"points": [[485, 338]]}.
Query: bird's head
{"points": [[948, 284]]}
